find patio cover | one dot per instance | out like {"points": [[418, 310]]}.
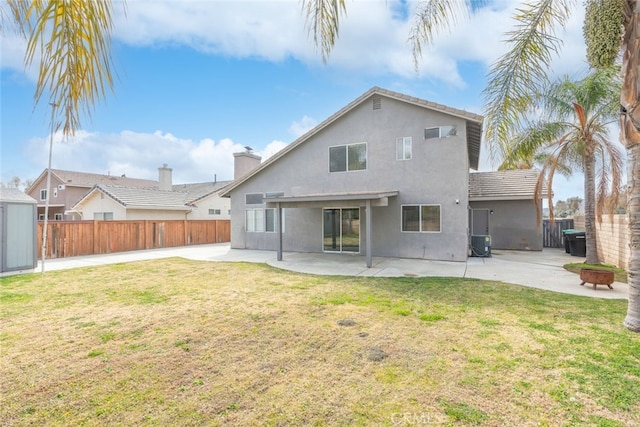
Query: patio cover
{"points": [[368, 199]]}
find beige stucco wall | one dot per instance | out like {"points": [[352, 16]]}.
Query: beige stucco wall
{"points": [[612, 236], [201, 210], [98, 202]]}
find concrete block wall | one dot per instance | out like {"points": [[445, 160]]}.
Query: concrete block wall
{"points": [[612, 236]]}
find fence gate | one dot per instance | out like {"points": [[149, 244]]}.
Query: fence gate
{"points": [[552, 234]]}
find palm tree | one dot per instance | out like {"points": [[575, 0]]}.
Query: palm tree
{"points": [[71, 41], [516, 77], [572, 134]]}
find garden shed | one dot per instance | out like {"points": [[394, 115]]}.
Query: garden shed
{"points": [[18, 231]]}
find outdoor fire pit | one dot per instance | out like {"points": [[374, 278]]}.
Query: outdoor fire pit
{"points": [[596, 277]]}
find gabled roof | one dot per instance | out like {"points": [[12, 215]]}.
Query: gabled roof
{"points": [[182, 197], [504, 185], [199, 190], [474, 129], [88, 180], [142, 198]]}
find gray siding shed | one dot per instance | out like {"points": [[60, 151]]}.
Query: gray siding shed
{"points": [[18, 231]]}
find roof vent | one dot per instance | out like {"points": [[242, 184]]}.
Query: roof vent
{"points": [[377, 102]]}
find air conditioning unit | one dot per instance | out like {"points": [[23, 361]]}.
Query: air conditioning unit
{"points": [[481, 246]]}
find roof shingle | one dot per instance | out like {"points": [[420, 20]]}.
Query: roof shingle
{"points": [[503, 185]]}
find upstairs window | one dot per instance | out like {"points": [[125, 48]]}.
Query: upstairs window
{"points": [[440, 132], [403, 148], [43, 194], [347, 158]]}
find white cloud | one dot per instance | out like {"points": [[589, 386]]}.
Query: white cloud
{"points": [[304, 125], [139, 155], [272, 148], [373, 35], [13, 47]]}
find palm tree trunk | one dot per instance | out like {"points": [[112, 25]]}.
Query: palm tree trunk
{"points": [[632, 321], [630, 127], [590, 207]]}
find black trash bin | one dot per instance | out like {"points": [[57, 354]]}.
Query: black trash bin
{"points": [[565, 238], [577, 243]]}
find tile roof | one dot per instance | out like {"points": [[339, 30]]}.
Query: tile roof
{"points": [[503, 185], [180, 198], [199, 190], [84, 179], [145, 198]]}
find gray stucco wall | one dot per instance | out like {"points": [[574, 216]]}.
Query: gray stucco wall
{"points": [[513, 224], [436, 174]]}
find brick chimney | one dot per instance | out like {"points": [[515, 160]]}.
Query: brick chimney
{"points": [[245, 162], [164, 178]]}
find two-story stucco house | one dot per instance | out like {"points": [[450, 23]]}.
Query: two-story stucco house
{"points": [[387, 175]]}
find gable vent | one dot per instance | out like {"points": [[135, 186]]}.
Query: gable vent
{"points": [[377, 102]]}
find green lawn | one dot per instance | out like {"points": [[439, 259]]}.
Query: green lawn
{"points": [[177, 342]]}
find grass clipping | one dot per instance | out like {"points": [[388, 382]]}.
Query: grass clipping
{"points": [[177, 342]]}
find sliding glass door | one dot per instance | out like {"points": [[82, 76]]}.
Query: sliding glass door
{"points": [[341, 230]]}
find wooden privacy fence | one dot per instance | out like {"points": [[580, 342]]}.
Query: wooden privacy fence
{"points": [[552, 236], [76, 238]]}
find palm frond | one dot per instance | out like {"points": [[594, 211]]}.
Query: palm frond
{"points": [[323, 21], [432, 17], [72, 40], [517, 77]]}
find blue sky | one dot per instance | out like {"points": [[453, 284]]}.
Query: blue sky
{"points": [[199, 80]]}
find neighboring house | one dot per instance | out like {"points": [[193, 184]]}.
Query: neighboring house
{"points": [[67, 187], [503, 206], [166, 202], [387, 175], [79, 195]]}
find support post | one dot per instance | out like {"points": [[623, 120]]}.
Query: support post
{"points": [[279, 225], [368, 229]]}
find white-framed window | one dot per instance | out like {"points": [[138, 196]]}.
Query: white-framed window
{"points": [[55, 192], [255, 220], [57, 217], [43, 194], [403, 148], [440, 132], [214, 211], [262, 220], [271, 220], [421, 218], [41, 217], [347, 158], [103, 216]]}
